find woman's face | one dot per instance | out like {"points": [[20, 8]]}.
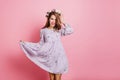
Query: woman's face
{"points": [[52, 20]]}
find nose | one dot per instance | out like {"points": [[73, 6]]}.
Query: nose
{"points": [[53, 22]]}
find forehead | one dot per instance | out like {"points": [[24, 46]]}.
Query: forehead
{"points": [[53, 16]]}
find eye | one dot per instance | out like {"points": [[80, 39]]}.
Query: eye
{"points": [[52, 19]]}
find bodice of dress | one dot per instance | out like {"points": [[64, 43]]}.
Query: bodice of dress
{"points": [[51, 35], [48, 35]]}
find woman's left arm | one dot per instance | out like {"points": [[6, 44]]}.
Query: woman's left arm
{"points": [[66, 30]]}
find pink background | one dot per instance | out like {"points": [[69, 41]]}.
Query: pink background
{"points": [[93, 49]]}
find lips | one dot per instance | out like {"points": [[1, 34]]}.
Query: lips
{"points": [[52, 23]]}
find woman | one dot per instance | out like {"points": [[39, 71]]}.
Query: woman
{"points": [[49, 53]]}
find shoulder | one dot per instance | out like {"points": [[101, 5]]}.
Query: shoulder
{"points": [[43, 30]]}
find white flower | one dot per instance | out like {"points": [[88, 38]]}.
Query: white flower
{"points": [[58, 11], [53, 10]]}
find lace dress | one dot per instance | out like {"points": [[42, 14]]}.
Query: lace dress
{"points": [[49, 53]]}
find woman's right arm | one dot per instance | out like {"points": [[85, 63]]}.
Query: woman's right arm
{"points": [[41, 42]]}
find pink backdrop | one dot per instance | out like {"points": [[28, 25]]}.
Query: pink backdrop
{"points": [[93, 50]]}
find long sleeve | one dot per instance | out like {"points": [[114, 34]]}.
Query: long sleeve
{"points": [[66, 30], [42, 39], [39, 48]]}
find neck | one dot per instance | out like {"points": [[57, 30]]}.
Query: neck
{"points": [[50, 27]]}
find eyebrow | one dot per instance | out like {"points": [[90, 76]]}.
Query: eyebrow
{"points": [[53, 18]]}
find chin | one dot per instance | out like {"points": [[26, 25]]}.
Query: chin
{"points": [[52, 25]]}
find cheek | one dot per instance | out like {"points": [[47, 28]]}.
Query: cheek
{"points": [[52, 21]]}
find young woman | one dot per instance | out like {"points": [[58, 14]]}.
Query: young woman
{"points": [[49, 53]]}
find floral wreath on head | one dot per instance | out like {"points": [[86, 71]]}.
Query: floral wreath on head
{"points": [[54, 10]]}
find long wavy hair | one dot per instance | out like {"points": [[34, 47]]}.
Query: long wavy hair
{"points": [[58, 20]]}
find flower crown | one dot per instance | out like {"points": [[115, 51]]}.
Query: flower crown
{"points": [[54, 10]]}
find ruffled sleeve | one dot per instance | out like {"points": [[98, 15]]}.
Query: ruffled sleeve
{"points": [[66, 30]]}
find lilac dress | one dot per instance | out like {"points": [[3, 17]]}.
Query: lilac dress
{"points": [[49, 53]]}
